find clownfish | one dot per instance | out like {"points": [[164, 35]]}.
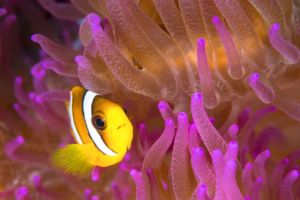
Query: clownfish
{"points": [[101, 129]]}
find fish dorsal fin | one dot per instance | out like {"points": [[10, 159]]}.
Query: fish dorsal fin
{"points": [[74, 159]]}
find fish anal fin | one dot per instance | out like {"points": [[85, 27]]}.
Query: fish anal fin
{"points": [[73, 159]]}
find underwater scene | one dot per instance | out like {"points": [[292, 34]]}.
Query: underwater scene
{"points": [[149, 99]]}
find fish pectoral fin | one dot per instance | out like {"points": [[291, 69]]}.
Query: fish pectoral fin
{"points": [[73, 159]]}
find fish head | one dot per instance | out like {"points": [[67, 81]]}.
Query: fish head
{"points": [[113, 124]]}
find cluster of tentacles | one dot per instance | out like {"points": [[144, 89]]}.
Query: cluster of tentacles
{"points": [[227, 72], [190, 159]]}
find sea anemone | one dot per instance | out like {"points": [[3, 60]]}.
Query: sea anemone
{"points": [[210, 86], [252, 49]]}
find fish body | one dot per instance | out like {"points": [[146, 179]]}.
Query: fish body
{"points": [[101, 129]]}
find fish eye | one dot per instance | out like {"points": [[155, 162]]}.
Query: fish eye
{"points": [[125, 110], [99, 122]]}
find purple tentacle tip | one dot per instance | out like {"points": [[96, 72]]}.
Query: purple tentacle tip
{"points": [[197, 96], [276, 26], [38, 72], [250, 166], [198, 151], [95, 197], [182, 115], [193, 126], [216, 153], [16, 106], [165, 185], [31, 95], [3, 11], [133, 172], [212, 120], [215, 19], [253, 78], [295, 173], [79, 59], [18, 80], [286, 161], [127, 157], [201, 42], [273, 109], [234, 128], [94, 18], [36, 180], [268, 153], [203, 187], [87, 193], [21, 192], [20, 140], [247, 197], [231, 164], [233, 143], [35, 38], [38, 99], [170, 121], [259, 180], [142, 125], [95, 175], [162, 105]]}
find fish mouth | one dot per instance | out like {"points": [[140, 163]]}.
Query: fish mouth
{"points": [[121, 126]]}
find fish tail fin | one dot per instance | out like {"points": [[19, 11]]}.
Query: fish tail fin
{"points": [[73, 159]]}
